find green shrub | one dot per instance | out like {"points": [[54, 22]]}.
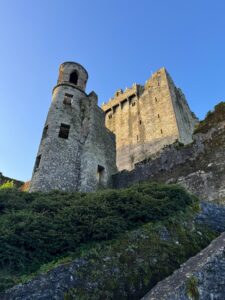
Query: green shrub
{"points": [[7, 185], [192, 288], [37, 228]]}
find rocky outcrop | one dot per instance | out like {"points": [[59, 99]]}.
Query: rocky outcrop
{"points": [[89, 273], [202, 277], [212, 215]]}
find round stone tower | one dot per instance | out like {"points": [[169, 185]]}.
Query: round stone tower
{"points": [[76, 152], [57, 163]]}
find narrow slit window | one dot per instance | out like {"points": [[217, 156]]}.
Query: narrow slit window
{"points": [[161, 131], [67, 99], [100, 174], [140, 122], [45, 132], [156, 99], [37, 163], [64, 131], [158, 116]]}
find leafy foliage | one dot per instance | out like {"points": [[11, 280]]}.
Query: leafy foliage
{"points": [[7, 185], [37, 228]]}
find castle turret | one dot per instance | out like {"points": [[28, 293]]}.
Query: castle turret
{"points": [[76, 152]]}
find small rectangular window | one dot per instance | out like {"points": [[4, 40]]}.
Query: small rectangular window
{"points": [[140, 122], [64, 131], [156, 99], [110, 116], [67, 99], [37, 163], [158, 116], [161, 131], [45, 131], [100, 174]]}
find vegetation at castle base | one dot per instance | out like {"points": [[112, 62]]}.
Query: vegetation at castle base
{"points": [[130, 266], [212, 118], [36, 228]]}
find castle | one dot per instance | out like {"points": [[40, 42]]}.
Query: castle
{"points": [[82, 145]]}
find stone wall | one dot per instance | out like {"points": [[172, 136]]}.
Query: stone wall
{"points": [[199, 166], [144, 119], [85, 158]]}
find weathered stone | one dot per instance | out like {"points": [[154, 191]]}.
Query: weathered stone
{"points": [[144, 119], [199, 166], [77, 152], [202, 277]]}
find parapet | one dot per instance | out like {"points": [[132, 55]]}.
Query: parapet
{"points": [[121, 96]]}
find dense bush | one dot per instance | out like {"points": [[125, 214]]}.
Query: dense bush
{"points": [[36, 228]]}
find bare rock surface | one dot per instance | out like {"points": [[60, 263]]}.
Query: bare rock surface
{"points": [[202, 277]]}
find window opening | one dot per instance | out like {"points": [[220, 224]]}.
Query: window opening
{"points": [[64, 131], [67, 99], [133, 103], [37, 163], [156, 99], [140, 122], [161, 131], [158, 116], [74, 77], [100, 174], [110, 116], [45, 131]]}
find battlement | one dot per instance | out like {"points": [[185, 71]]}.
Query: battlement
{"points": [[122, 96], [135, 91]]}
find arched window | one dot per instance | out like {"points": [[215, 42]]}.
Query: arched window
{"points": [[74, 77]]}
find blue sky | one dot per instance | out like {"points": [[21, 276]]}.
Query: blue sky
{"points": [[119, 42]]}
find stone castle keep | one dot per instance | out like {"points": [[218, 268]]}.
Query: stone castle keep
{"points": [[145, 118], [82, 145]]}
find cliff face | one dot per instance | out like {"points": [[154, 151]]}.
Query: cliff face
{"points": [[199, 166], [202, 277]]}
